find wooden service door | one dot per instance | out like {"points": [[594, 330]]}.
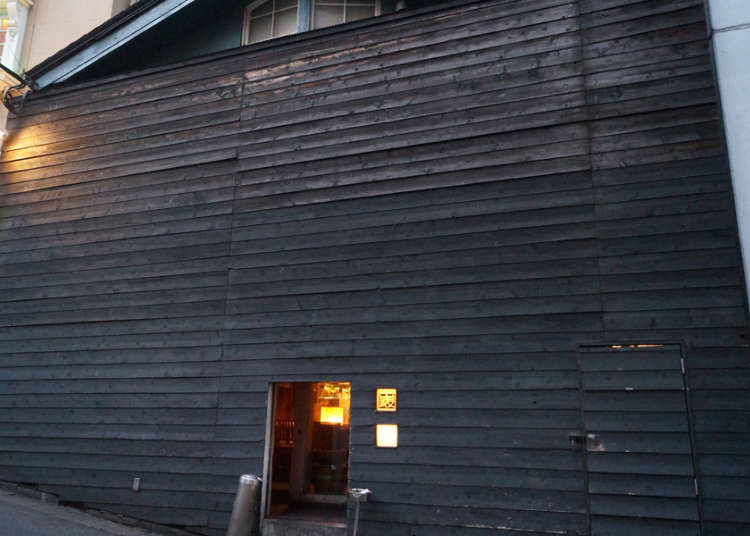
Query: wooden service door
{"points": [[637, 438]]}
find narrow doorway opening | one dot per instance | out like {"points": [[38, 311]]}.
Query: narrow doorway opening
{"points": [[309, 469]]}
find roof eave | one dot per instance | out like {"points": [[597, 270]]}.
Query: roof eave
{"points": [[104, 40]]}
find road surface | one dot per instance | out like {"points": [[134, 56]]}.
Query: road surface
{"points": [[24, 516]]}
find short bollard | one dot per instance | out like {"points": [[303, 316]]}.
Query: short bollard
{"points": [[245, 518], [360, 495]]}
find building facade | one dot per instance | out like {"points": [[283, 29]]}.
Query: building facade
{"points": [[505, 227]]}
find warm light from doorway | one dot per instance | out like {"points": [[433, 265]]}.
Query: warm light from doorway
{"points": [[331, 415]]}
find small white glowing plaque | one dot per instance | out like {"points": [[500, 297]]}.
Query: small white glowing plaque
{"points": [[386, 436]]}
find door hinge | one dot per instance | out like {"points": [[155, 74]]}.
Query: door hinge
{"points": [[682, 365], [695, 483]]}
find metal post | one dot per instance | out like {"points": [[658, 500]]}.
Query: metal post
{"points": [[245, 518], [360, 495]]}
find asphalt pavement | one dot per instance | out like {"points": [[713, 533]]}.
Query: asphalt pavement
{"points": [[25, 516]]}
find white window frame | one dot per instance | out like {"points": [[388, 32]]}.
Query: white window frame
{"points": [[303, 7], [345, 6], [247, 17]]}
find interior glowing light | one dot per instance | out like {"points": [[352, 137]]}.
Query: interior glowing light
{"points": [[386, 436], [331, 415]]}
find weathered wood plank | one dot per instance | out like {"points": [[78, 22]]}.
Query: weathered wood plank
{"points": [[450, 202]]}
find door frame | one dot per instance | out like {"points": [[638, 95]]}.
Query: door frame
{"points": [[268, 450], [269, 438]]}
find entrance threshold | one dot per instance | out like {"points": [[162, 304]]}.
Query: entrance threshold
{"points": [[288, 527], [308, 520]]}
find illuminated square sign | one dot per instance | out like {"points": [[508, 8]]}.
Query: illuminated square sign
{"points": [[386, 400], [386, 436]]}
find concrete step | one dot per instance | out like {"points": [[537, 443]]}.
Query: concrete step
{"points": [[288, 527]]}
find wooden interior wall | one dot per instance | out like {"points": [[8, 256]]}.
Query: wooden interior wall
{"points": [[450, 203]]}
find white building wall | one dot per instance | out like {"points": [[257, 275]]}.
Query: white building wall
{"points": [[54, 24], [730, 24]]}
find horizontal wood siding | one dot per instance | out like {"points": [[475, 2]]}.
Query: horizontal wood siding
{"points": [[114, 242], [639, 452], [377, 241], [666, 228], [450, 203]]}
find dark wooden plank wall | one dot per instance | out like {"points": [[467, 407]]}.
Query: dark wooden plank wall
{"points": [[667, 236], [417, 222], [116, 230], [450, 203]]}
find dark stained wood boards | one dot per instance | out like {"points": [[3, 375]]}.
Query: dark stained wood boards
{"points": [[640, 463], [451, 203]]}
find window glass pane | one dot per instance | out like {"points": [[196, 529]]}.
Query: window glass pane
{"points": [[260, 28], [327, 16], [12, 27], [285, 22], [283, 4], [359, 12], [263, 9]]}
